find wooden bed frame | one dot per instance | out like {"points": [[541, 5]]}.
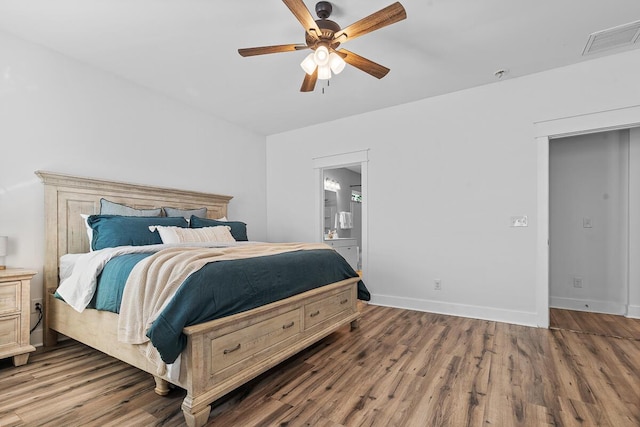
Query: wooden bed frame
{"points": [[221, 354]]}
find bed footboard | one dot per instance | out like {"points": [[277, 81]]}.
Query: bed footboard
{"points": [[226, 353]]}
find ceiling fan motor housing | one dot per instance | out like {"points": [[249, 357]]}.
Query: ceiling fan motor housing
{"points": [[327, 27], [323, 9]]}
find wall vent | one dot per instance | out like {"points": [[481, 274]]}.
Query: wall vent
{"points": [[623, 35]]}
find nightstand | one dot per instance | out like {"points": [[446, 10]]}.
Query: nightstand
{"points": [[15, 287]]}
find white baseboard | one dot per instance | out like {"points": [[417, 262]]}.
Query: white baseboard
{"points": [[633, 311], [607, 307], [462, 310]]}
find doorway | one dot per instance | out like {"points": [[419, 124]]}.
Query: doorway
{"points": [[351, 164], [622, 118], [342, 214], [588, 222]]}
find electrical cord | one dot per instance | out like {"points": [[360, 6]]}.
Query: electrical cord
{"points": [[39, 310]]}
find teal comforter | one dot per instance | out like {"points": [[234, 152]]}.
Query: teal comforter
{"points": [[225, 287]]}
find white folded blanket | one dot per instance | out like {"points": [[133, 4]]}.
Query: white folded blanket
{"points": [[78, 287]]}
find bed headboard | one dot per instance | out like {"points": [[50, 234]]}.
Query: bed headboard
{"points": [[66, 197]]}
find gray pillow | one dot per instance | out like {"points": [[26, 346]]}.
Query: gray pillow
{"points": [[111, 208], [185, 213]]}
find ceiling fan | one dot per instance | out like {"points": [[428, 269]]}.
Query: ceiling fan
{"points": [[324, 36]]}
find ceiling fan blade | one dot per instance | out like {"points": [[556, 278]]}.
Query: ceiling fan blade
{"points": [[252, 51], [309, 82], [364, 64], [303, 15], [387, 16]]}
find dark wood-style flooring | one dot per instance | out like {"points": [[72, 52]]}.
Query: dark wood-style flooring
{"points": [[607, 325], [401, 368]]}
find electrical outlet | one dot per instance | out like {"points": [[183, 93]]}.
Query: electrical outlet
{"points": [[437, 284], [33, 305], [577, 282]]}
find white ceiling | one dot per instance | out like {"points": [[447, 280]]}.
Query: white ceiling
{"points": [[187, 49]]}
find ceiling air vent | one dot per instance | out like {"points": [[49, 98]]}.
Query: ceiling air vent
{"points": [[623, 35]]}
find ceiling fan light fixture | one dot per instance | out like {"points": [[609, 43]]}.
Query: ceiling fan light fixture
{"points": [[309, 64], [324, 72], [336, 63], [323, 36], [321, 55]]}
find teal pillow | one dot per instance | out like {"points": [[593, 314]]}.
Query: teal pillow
{"points": [[114, 230], [112, 208], [185, 213], [238, 228]]}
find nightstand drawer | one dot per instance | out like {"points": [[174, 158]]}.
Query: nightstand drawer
{"points": [[9, 297], [9, 327]]}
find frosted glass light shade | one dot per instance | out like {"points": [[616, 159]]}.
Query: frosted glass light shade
{"points": [[336, 63], [309, 64], [324, 72], [321, 55]]}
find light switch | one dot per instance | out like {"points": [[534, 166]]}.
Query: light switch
{"points": [[586, 222], [519, 221]]}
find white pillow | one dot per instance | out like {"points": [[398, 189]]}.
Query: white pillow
{"points": [[171, 234], [85, 217]]}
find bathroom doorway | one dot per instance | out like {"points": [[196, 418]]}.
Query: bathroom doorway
{"points": [[344, 169], [342, 211]]}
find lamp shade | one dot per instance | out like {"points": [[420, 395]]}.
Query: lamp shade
{"points": [[309, 64], [324, 72], [3, 251], [321, 55], [336, 63]]}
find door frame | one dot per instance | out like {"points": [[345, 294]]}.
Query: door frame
{"points": [[602, 121], [336, 161]]}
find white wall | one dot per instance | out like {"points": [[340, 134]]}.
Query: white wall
{"points": [[59, 115], [589, 180], [459, 165]]}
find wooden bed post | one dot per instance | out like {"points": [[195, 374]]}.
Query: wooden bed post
{"points": [[197, 420], [162, 386]]}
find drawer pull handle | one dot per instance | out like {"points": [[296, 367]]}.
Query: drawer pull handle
{"points": [[344, 301], [288, 325], [231, 350], [315, 313]]}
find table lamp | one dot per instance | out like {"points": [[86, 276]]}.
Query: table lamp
{"points": [[3, 251]]}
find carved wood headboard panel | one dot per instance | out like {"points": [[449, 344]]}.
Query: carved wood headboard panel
{"points": [[66, 197]]}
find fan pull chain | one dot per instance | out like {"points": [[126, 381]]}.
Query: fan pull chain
{"points": [[327, 87]]}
